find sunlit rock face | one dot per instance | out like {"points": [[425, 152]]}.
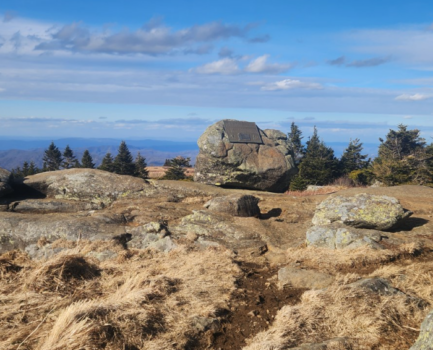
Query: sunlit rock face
{"points": [[268, 166]]}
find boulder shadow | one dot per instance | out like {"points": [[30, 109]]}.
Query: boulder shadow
{"points": [[273, 213], [409, 224]]}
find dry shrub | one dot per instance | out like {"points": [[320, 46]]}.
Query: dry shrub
{"points": [[364, 319], [12, 262], [415, 279], [333, 261], [62, 273], [148, 300]]}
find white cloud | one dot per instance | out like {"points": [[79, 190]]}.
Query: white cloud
{"points": [[260, 65], [407, 117], [226, 66], [414, 97], [288, 84]]}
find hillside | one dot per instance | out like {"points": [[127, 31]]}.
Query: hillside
{"points": [[116, 262]]}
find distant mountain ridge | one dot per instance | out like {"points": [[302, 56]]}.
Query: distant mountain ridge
{"points": [[14, 153]]}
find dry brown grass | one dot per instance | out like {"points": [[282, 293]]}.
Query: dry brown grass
{"points": [[139, 300], [365, 320], [334, 261], [320, 191]]}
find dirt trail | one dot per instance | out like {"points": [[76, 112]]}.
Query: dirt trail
{"points": [[253, 306]]}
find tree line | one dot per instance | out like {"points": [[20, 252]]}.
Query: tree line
{"points": [[122, 164], [53, 159], [404, 157]]}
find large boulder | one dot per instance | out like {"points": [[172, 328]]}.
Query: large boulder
{"points": [[5, 188], [361, 211], [268, 166], [89, 185], [235, 205]]}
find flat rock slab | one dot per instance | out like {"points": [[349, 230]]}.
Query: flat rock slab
{"points": [[235, 205], [90, 185], [361, 211], [46, 206], [305, 279], [338, 236], [19, 231]]}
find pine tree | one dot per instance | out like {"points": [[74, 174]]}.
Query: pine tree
{"points": [[69, 159], [352, 159], [87, 161], [140, 167], [107, 163], [123, 163], [52, 158], [319, 166], [295, 137], [176, 170], [403, 158], [25, 169], [33, 169]]}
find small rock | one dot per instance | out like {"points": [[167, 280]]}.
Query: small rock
{"points": [[306, 279], [235, 205]]}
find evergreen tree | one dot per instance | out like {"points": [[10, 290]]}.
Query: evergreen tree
{"points": [[176, 171], [107, 163], [352, 159], [87, 161], [69, 159], [123, 163], [52, 158], [319, 166], [33, 169], [140, 167], [295, 137], [25, 169], [403, 158]]}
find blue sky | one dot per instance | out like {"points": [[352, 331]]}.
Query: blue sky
{"points": [[168, 69]]}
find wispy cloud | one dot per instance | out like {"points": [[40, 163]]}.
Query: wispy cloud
{"points": [[370, 62], [414, 97], [226, 66], [260, 65], [288, 84], [153, 38], [339, 61], [229, 65]]}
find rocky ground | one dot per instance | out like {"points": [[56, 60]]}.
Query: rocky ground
{"points": [[96, 260]]}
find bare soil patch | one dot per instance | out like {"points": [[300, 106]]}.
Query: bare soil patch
{"points": [[254, 305]]}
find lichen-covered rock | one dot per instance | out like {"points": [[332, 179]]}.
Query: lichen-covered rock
{"points": [[361, 211], [425, 338], [5, 188], [235, 205], [89, 185], [337, 236], [268, 166]]}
